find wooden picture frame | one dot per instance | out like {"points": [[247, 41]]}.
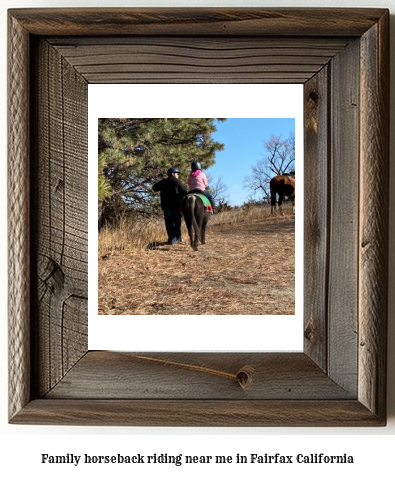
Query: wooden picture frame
{"points": [[342, 58]]}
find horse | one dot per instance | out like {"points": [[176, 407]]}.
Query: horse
{"points": [[196, 217], [283, 185]]}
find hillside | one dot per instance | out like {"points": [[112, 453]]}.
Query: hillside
{"points": [[246, 268]]}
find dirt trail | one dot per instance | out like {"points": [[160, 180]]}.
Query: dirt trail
{"points": [[244, 269]]}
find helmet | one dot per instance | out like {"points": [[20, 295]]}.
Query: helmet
{"points": [[172, 170], [196, 165]]}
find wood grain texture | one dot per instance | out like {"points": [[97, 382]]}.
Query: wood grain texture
{"points": [[18, 218], [61, 205], [373, 235], [261, 22], [343, 348], [186, 60], [316, 213], [343, 220], [201, 413], [284, 376]]}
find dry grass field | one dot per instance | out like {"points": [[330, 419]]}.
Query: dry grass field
{"points": [[247, 267]]}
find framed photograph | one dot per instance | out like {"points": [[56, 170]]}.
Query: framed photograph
{"points": [[341, 57], [253, 263]]}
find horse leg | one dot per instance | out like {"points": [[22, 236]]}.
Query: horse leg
{"points": [[195, 242], [192, 239], [188, 209], [200, 216], [273, 203], [273, 194], [188, 223], [280, 203], [195, 224], [203, 228], [194, 235], [203, 231]]}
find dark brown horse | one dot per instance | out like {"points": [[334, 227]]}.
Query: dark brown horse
{"points": [[196, 218], [283, 185]]}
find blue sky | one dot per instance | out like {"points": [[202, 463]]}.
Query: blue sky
{"points": [[243, 139]]}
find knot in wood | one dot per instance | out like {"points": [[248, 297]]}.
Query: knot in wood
{"points": [[313, 96], [308, 332], [244, 376]]}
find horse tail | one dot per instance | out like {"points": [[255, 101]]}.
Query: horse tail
{"points": [[189, 205], [195, 225], [273, 192], [188, 208]]}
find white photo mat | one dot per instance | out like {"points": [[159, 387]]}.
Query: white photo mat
{"points": [[169, 333]]}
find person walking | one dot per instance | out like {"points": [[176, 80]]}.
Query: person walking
{"points": [[172, 191]]}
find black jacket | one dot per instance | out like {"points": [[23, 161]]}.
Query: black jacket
{"points": [[171, 192]]}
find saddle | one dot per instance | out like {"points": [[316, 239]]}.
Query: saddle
{"points": [[205, 200]]}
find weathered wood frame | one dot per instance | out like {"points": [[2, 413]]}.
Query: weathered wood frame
{"points": [[340, 378]]}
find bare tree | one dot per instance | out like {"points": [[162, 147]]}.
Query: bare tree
{"points": [[279, 159], [218, 189]]}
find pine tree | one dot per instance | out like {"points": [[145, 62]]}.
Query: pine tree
{"points": [[134, 153]]}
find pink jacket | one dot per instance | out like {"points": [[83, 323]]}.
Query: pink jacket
{"points": [[197, 181]]}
